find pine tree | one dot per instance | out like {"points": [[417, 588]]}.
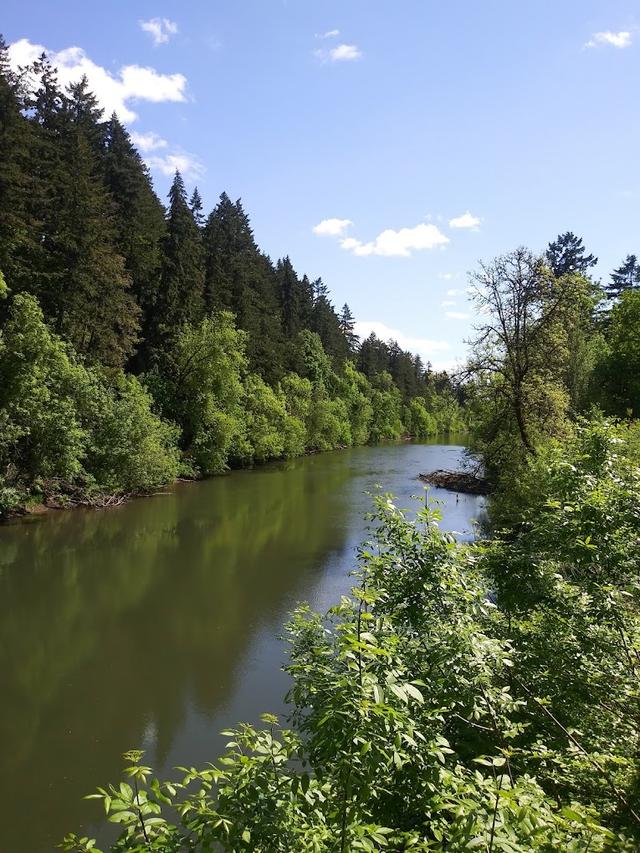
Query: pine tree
{"points": [[290, 298], [17, 236], [239, 278], [82, 110], [180, 299], [347, 325], [195, 204], [625, 277], [566, 254], [139, 226]]}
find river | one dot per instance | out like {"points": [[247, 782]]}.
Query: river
{"points": [[156, 624]]}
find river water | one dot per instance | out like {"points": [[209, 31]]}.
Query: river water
{"points": [[156, 624]]}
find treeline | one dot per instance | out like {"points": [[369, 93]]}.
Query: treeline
{"points": [[138, 343]]}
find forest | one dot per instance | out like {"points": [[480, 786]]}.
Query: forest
{"points": [[481, 696], [139, 344]]}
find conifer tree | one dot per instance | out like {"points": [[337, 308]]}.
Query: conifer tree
{"points": [[195, 204], [180, 299], [347, 325], [16, 235], [566, 254], [625, 277], [239, 278], [139, 225]]}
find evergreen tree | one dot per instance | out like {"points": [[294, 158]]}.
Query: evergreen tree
{"points": [[16, 236], [139, 225], [180, 299], [325, 322], [373, 357], [195, 203], [82, 111], [71, 263], [625, 277], [566, 254], [347, 324], [239, 278], [290, 298]]}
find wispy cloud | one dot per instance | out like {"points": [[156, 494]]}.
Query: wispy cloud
{"points": [[187, 164], [330, 34], [456, 315], [467, 220], [160, 29], [448, 303], [608, 38], [447, 276], [132, 82], [332, 227], [148, 141]]}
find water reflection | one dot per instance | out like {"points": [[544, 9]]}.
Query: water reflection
{"points": [[156, 623]]}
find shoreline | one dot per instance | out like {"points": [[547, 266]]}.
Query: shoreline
{"points": [[111, 501]]}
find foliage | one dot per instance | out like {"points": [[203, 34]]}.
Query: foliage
{"points": [[463, 697], [199, 386], [65, 425]]}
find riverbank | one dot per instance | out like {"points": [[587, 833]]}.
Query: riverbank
{"points": [[68, 497]]}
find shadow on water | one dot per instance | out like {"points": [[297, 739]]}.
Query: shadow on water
{"points": [[156, 623]]}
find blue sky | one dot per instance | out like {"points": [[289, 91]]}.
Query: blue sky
{"points": [[392, 120]]}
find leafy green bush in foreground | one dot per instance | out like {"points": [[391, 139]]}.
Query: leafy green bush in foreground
{"points": [[463, 698]]}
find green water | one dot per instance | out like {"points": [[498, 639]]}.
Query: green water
{"points": [[156, 624]]}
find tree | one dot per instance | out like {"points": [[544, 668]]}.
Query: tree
{"points": [[625, 277], [198, 385], [621, 369], [515, 355], [181, 296], [195, 204], [239, 278], [139, 227], [347, 324], [566, 254]]}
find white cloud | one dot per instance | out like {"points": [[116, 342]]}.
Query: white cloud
{"points": [[332, 227], [339, 53], [330, 34], [447, 303], [345, 53], [133, 82], [160, 29], [424, 347], [467, 220], [456, 315], [447, 276], [148, 141], [453, 292], [188, 165], [619, 40], [401, 243]]}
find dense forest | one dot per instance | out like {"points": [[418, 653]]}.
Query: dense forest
{"points": [[139, 343], [481, 696]]}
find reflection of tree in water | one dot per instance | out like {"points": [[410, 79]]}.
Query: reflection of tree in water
{"points": [[111, 620]]}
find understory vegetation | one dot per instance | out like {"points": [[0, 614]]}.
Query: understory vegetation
{"points": [[139, 343]]}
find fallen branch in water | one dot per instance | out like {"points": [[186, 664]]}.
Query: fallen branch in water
{"points": [[457, 481]]}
